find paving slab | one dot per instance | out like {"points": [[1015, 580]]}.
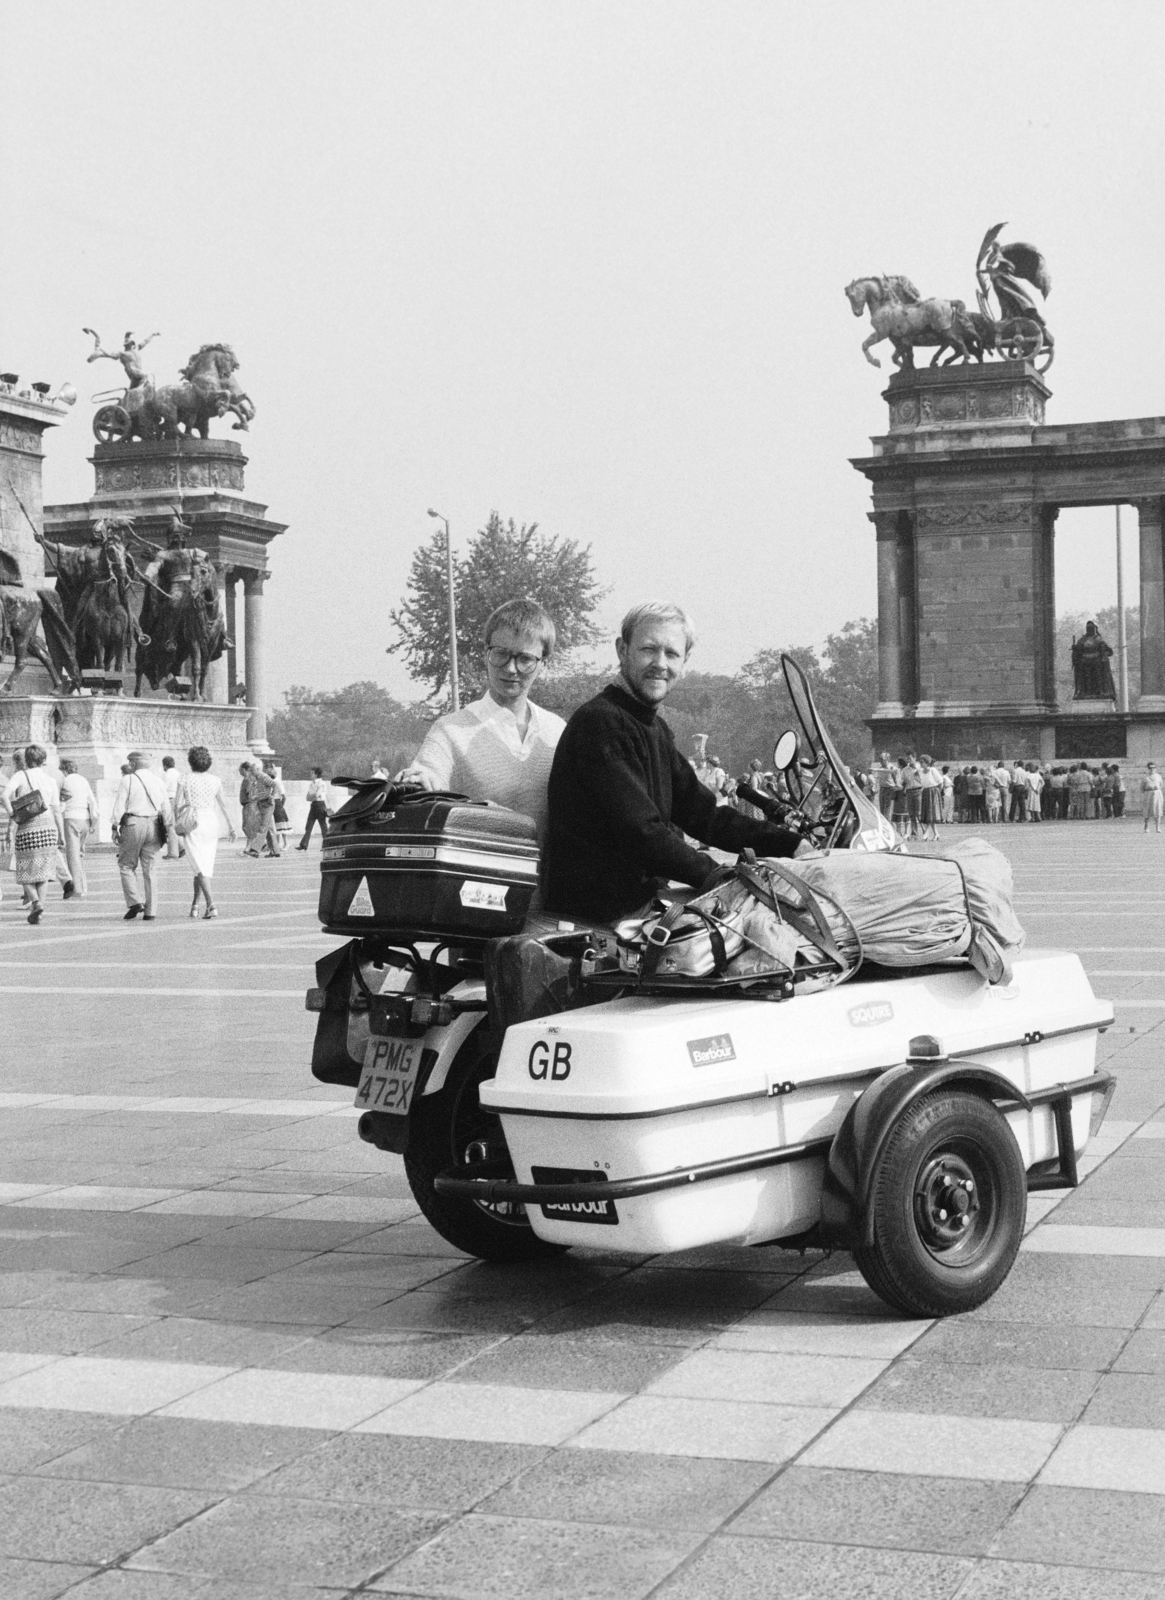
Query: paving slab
{"points": [[952, 1516], [49, 1519], [293, 1542], [500, 1558], [1086, 1528]]}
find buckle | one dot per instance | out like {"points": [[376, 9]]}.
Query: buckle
{"points": [[659, 935]]}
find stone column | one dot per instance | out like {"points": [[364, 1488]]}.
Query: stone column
{"points": [[1152, 607], [889, 613], [253, 622], [216, 677], [229, 595]]}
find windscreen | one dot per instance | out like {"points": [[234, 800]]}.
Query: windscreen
{"points": [[874, 830]]}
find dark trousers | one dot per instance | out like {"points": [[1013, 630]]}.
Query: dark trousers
{"points": [[317, 812]]}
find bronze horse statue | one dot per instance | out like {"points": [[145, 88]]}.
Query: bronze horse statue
{"points": [[103, 625], [899, 313], [22, 611], [199, 634], [184, 627]]}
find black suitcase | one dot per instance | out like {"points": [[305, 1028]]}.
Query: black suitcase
{"points": [[410, 864]]}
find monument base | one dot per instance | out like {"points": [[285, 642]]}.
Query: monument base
{"points": [[98, 732], [1059, 736]]}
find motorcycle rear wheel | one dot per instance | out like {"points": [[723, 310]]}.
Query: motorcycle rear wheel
{"points": [[444, 1128]]}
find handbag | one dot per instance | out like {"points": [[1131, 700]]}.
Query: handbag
{"points": [[185, 816], [26, 806]]}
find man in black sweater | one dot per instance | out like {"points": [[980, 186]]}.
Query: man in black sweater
{"points": [[620, 792]]}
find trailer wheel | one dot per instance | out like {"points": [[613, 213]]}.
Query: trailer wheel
{"points": [[948, 1203], [450, 1129]]}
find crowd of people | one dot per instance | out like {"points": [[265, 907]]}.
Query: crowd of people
{"points": [[918, 794]]}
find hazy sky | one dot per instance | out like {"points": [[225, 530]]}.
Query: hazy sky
{"points": [[579, 262]]}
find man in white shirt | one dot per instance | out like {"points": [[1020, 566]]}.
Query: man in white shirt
{"points": [[141, 799], [79, 814], [170, 778], [317, 808], [500, 747]]}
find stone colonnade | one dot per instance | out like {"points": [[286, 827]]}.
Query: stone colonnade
{"points": [[224, 678], [918, 636]]}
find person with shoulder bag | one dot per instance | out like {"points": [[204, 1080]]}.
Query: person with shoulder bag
{"points": [[33, 802], [142, 821]]}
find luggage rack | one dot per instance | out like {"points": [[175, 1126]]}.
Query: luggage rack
{"points": [[777, 986]]}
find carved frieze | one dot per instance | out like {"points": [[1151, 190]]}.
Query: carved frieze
{"points": [[15, 436], [117, 721], [904, 412], [125, 477], [967, 402], [978, 514]]}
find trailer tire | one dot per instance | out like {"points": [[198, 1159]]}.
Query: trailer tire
{"points": [[441, 1128], [947, 1203]]}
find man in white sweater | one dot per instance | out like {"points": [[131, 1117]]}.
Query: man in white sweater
{"points": [[500, 747]]}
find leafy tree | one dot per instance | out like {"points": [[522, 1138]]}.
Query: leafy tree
{"points": [[345, 731], [504, 561], [844, 681]]}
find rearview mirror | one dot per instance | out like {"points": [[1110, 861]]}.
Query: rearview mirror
{"points": [[785, 751]]}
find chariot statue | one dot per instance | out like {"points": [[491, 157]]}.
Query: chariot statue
{"points": [[142, 410], [1012, 284]]}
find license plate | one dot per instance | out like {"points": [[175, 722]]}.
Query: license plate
{"points": [[389, 1075]]}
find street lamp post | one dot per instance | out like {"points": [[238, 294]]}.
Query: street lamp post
{"points": [[454, 690]]}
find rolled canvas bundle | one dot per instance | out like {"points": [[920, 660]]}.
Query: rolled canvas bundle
{"points": [[911, 911]]}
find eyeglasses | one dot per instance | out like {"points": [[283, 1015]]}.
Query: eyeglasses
{"points": [[499, 658]]}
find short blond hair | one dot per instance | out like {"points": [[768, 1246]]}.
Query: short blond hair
{"points": [[523, 616], [658, 611]]}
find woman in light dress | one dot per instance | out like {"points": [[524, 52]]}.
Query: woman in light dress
{"points": [[40, 838], [201, 792], [1152, 798]]}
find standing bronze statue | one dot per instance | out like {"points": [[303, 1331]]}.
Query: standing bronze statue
{"points": [[1090, 666]]}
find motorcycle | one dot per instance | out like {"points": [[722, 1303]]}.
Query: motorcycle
{"points": [[540, 1089]]}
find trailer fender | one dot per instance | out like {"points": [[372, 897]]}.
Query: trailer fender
{"points": [[859, 1142]]}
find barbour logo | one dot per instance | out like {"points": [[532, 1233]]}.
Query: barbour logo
{"points": [[706, 1052], [869, 1015]]}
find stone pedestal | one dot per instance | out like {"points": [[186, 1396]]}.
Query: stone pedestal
{"points": [[203, 479], [98, 732]]}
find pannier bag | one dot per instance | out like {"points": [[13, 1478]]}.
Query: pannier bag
{"points": [[913, 911], [426, 866], [755, 921]]}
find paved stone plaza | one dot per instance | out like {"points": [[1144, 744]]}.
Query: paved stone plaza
{"points": [[237, 1366]]}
